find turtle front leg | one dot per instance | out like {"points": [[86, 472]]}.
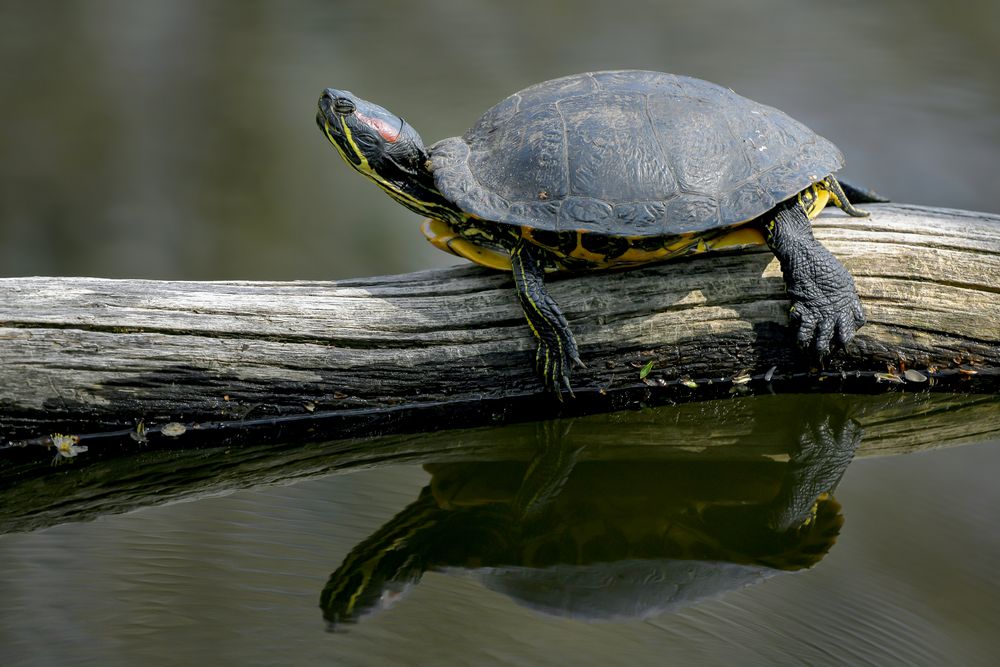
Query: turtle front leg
{"points": [[824, 299], [556, 353]]}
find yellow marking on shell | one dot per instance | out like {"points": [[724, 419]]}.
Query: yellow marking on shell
{"points": [[743, 235], [678, 246], [637, 256], [444, 237], [579, 252], [529, 234]]}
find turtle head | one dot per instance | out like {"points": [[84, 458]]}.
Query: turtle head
{"points": [[368, 136], [383, 147]]}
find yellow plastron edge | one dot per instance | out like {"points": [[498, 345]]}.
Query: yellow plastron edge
{"points": [[442, 236]]}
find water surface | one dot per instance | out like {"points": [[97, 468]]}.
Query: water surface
{"points": [[906, 576]]}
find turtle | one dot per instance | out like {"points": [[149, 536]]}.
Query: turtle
{"points": [[612, 170]]}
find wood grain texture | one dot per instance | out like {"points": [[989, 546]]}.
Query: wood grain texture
{"points": [[89, 350]]}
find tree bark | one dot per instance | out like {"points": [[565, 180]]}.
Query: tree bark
{"points": [[96, 353]]}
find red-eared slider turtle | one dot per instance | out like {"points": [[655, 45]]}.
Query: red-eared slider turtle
{"points": [[614, 169]]}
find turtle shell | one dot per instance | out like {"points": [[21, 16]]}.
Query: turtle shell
{"points": [[630, 153]]}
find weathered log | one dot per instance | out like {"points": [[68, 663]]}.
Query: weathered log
{"points": [[740, 429], [93, 353]]}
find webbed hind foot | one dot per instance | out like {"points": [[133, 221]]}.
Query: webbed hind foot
{"points": [[557, 352]]}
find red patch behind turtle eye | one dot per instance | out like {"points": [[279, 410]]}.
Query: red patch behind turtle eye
{"points": [[388, 132]]}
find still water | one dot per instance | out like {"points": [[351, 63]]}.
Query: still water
{"points": [[732, 532]]}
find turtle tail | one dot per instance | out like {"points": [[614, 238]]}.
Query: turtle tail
{"points": [[860, 195]]}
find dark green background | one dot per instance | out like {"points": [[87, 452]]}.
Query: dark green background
{"points": [[176, 139]]}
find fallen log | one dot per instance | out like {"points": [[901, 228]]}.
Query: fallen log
{"points": [[89, 353], [759, 428]]}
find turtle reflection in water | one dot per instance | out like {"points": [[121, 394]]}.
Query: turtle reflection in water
{"points": [[605, 539]]}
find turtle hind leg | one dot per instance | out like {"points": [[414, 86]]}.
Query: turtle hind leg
{"points": [[557, 352], [549, 469], [824, 299], [839, 197]]}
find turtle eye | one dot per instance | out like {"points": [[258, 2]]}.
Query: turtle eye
{"points": [[344, 106]]}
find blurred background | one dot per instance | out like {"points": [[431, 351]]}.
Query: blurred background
{"points": [[155, 139]]}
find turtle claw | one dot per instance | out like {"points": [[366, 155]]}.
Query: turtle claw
{"points": [[553, 363], [828, 324], [807, 320], [824, 336], [849, 323]]}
